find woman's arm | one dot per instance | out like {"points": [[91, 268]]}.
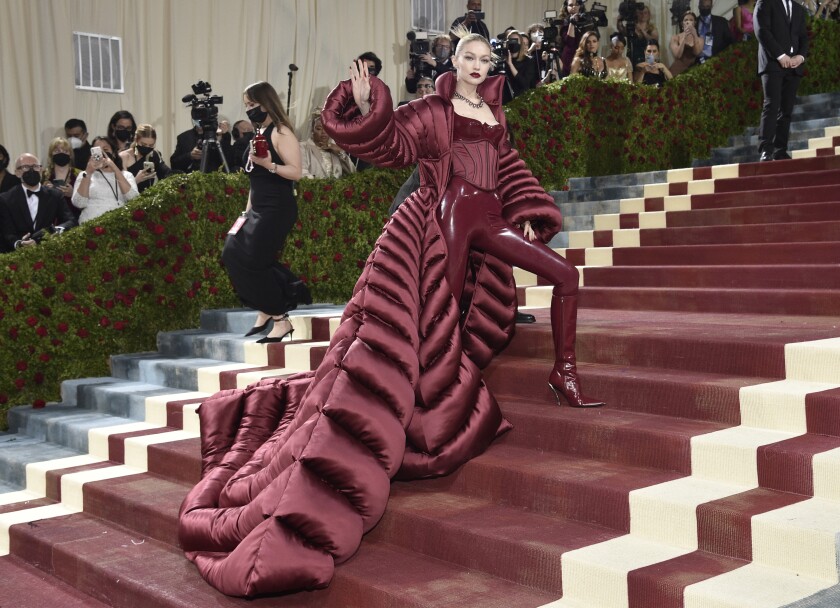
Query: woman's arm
{"points": [[81, 191], [677, 45], [288, 147], [739, 20], [127, 184], [575, 66]]}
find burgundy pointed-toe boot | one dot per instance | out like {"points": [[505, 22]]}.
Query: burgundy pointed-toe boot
{"points": [[564, 379]]}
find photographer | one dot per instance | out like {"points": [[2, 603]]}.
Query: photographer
{"points": [[431, 64], [187, 155], [103, 186], [634, 23], [142, 160], [570, 34], [652, 71], [520, 69], [473, 20]]}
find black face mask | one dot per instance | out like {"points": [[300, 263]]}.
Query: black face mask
{"points": [[61, 159], [31, 177], [144, 150], [3, 164], [122, 135], [257, 115]]}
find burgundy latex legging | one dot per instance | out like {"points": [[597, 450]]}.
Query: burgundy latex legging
{"points": [[471, 218]]}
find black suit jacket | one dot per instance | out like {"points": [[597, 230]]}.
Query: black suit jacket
{"points": [[16, 221], [777, 35], [721, 35]]}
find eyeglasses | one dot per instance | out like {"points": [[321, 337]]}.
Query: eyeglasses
{"points": [[25, 168]]}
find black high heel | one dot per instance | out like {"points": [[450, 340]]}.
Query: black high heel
{"points": [[289, 333], [257, 329]]}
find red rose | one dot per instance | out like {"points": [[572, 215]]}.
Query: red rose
{"points": [[59, 277], [82, 332], [98, 230], [20, 383], [45, 357], [48, 292], [133, 234], [348, 193], [91, 287], [337, 257], [307, 196], [169, 278], [38, 404], [31, 321], [104, 321], [160, 244], [62, 327], [213, 290], [41, 331], [37, 265], [158, 229], [38, 377], [107, 277], [210, 197], [91, 245], [119, 325], [314, 257], [139, 215], [228, 190], [186, 248], [192, 215], [13, 266], [141, 249], [4, 399], [22, 366]]}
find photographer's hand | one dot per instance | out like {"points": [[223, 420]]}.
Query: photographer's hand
{"points": [[195, 153], [360, 80], [429, 58]]}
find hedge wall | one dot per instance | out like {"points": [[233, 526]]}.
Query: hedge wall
{"points": [[109, 286]]}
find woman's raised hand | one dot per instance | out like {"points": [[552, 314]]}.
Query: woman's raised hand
{"points": [[360, 80], [528, 230]]}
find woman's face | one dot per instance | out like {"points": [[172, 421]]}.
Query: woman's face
{"points": [[472, 62], [60, 149], [104, 144], [249, 103], [319, 136], [592, 44], [572, 7], [617, 48], [688, 22], [146, 141]]}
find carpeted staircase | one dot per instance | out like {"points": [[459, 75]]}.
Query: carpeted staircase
{"points": [[710, 323]]}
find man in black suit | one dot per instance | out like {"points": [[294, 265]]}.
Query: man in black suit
{"points": [[714, 30], [188, 149], [782, 47], [28, 211]]}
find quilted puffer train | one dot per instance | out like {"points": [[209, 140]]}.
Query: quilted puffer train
{"points": [[296, 470]]}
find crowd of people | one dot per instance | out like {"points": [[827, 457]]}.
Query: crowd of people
{"points": [[96, 174]]}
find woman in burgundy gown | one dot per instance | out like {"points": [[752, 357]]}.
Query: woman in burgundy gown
{"points": [[296, 470]]}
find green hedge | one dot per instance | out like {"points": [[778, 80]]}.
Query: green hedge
{"points": [[109, 286]]}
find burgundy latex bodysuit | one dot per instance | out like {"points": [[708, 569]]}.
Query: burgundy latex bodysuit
{"points": [[470, 213]]}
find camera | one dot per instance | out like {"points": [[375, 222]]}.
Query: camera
{"points": [[418, 45], [592, 19], [96, 154], [627, 13], [204, 107], [479, 15]]}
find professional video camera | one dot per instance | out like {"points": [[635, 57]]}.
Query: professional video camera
{"points": [[627, 14], [678, 9], [587, 21], [418, 45], [205, 108]]}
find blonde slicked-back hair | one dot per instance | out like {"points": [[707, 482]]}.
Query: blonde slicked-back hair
{"points": [[465, 37]]}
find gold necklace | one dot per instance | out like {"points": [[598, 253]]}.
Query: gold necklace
{"points": [[473, 105]]}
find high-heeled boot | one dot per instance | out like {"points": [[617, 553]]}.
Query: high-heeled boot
{"points": [[564, 379]]}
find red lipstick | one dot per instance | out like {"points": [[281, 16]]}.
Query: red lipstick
{"points": [[476, 75]]}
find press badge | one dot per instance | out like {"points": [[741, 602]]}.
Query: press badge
{"points": [[237, 224]]}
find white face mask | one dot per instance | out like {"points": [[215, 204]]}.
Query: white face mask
{"points": [[538, 37], [75, 143]]}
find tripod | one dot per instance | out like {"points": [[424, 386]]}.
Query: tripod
{"points": [[209, 142]]}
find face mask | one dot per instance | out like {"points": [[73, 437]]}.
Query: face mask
{"points": [[257, 115], [144, 150], [705, 12], [31, 177], [122, 134], [61, 159], [75, 143], [442, 54]]}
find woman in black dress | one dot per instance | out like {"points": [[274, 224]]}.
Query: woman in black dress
{"points": [[250, 253]]}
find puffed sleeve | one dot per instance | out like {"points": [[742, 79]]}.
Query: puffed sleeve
{"points": [[523, 198], [376, 137]]}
